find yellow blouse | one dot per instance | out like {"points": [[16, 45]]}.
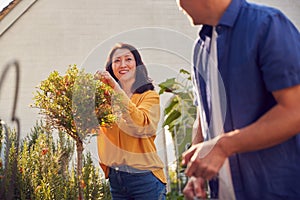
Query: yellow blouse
{"points": [[130, 141]]}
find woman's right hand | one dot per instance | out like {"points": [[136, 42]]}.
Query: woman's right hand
{"points": [[106, 78]]}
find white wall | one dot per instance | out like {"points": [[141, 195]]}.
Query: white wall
{"points": [[53, 34]]}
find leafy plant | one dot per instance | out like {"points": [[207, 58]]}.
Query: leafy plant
{"points": [[94, 185], [43, 172], [180, 114], [1, 150], [9, 144], [45, 169], [75, 104]]}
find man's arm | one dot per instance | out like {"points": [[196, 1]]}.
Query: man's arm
{"points": [[276, 126]]}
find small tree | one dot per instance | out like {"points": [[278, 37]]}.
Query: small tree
{"points": [[75, 104]]}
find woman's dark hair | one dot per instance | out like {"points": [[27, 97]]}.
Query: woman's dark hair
{"points": [[142, 82]]}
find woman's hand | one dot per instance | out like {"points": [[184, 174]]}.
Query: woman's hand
{"points": [[105, 77]]}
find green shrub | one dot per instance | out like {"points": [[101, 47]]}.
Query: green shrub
{"points": [[46, 170]]}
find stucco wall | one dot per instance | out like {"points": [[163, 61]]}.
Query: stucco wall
{"points": [[53, 34]]}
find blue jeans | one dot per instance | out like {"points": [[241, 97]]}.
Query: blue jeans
{"points": [[135, 186]]}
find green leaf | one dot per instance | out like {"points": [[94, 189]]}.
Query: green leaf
{"points": [[183, 71], [167, 86], [172, 104], [171, 117]]}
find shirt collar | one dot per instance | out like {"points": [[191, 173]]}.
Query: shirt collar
{"points": [[231, 13], [228, 18]]}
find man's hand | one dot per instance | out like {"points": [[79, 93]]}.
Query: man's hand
{"points": [[195, 187], [204, 159]]}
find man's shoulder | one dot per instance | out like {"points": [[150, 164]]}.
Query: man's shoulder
{"points": [[255, 9], [258, 18]]}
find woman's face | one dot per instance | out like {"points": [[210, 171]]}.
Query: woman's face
{"points": [[124, 65]]}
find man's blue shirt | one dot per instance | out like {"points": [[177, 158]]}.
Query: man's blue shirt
{"points": [[258, 53]]}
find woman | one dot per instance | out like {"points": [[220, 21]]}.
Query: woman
{"points": [[126, 150]]}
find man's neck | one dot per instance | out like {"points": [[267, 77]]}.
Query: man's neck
{"points": [[218, 7]]}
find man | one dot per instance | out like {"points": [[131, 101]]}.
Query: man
{"points": [[258, 58]]}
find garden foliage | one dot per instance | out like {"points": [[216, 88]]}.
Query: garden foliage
{"points": [[76, 104], [46, 169]]}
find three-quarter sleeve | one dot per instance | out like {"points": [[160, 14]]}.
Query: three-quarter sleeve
{"points": [[141, 114]]}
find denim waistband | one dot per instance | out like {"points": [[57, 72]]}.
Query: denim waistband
{"points": [[127, 169]]}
